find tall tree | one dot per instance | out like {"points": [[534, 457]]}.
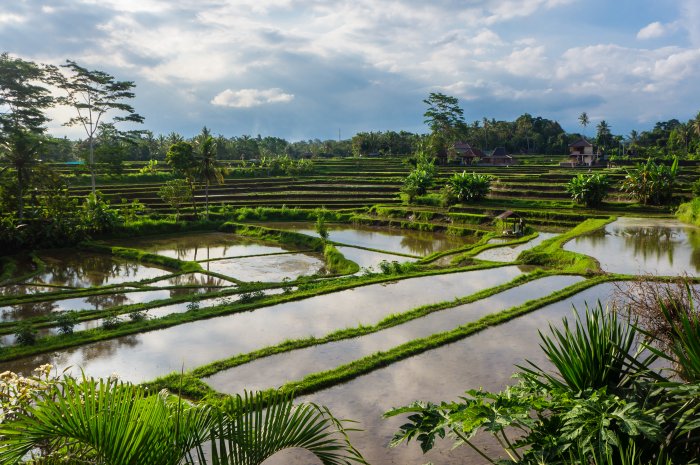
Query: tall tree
{"points": [[182, 160], [23, 100], [583, 120], [20, 150], [94, 94], [208, 169], [445, 119], [603, 134]]}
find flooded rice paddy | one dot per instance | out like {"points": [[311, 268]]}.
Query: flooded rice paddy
{"points": [[278, 369], [643, 246], [93, 302], [369, 258], [79, 268], [145, 356], [201, 246], [508, 253], [403, 241], [486, 359], [268, 268]]}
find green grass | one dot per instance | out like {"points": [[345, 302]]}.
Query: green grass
{"points": [[689, 212], [550, 253], [337, 263]]}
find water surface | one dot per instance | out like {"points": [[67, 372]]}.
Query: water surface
{"points": [[275, 370], [200, 246], [405, 241], [509, 253], [643, 246], [148, 355], [485, 359], [269, 268], [80, 268]]}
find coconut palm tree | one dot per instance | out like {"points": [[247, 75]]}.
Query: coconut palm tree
{"points": [[583, 120], [108, 422], [208, 169]]}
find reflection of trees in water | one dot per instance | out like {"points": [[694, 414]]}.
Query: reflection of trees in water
{"points": [[107, 300], [24, 311], [650, 242], [84, 269], [108, 348]]}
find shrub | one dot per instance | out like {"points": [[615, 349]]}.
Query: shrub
{"points": [[464, 187], [97, 214], [66, 321], [589, 190], [138, 315], [25, 334], [111, 321], [651, 183], [176, 193]]}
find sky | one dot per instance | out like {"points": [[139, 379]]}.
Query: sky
{"points": [[307, 69]]}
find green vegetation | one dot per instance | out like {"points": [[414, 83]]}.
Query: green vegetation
{"points": [[336, 263], [120, 423], [463, 187], [549, 253], [589, 190], [602, 403], [651, 183], [689, 212]]}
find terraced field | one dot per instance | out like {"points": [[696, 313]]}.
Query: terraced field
{"points": [[400, 302]]}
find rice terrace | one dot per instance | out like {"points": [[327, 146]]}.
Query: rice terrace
{"points": [[502, 291]]}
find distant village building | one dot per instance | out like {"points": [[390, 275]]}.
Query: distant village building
{"points": [[465, 154], [581, 154], [499, 157]]}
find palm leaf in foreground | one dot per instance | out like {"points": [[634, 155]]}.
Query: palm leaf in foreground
{"points": [[251, 428], [105, 421]]}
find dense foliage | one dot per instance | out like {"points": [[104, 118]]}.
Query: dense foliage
{"points": [[465, 187], [604, 402], [589, 190], [651, 183], [66, 420]]}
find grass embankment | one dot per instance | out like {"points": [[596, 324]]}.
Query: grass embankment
{"points": [[689, 212], [485, 246], [336, 262], [550, 253]]}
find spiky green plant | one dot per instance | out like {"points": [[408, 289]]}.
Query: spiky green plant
{"points": [[108, 422]]}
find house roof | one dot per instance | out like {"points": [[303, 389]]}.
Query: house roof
{"points": [[507, 214], [466, 150], [581, 143], [499, 152]]}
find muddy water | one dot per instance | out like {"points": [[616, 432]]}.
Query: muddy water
{"points": [[369, 258], [78, 268], [200, 246], [145, 356], [643, 246], [510, 253], [278, 369], [485, 359], [387, 239], [94, 302], [268, 268]]}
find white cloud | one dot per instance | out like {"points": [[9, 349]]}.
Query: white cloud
{"points": [[247, 98], [656, 29], [9, 18], [651, 31]]}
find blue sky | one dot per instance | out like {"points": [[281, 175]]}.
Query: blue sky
{"points": [[303, 69]]}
